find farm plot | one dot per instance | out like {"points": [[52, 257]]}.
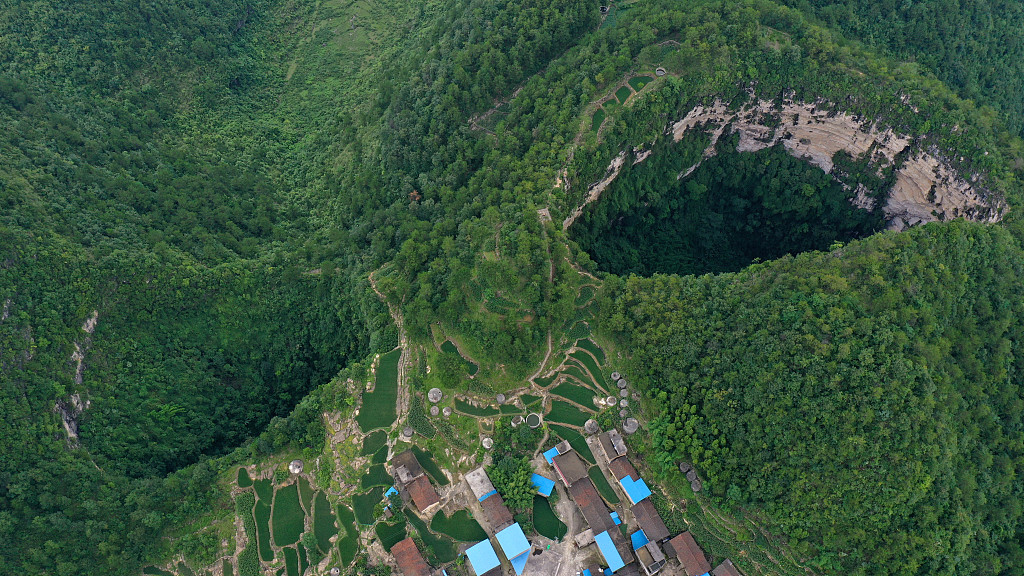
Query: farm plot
{"points": [[579, 394], [323, 522], [426, 460], [460, 526], [378, 410], [287, 515], [602, 485], [545, 521]]}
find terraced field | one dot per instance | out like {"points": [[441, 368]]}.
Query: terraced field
{"points": [[602, 485], [390, 534], [363, 504], [576, 440], [579, 394], [287, 515], [378, 409], [373, 442], [467, 408], [323, 522], [426, 459], [460, 526]]}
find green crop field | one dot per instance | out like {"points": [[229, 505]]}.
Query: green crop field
{"points": [[390, 534], [598, 118], [545, 521], [578, 394], [381, 456], [575, 369], [460, 526], [264, 490], [349, 543], [243, 478], [545, 382], [578, 442], [588, 361], [443, 547], [305, 495], [589, 345], [291, 561], [623, 93], [467, 408], [226, 568], [373, 442], [262, 514], [378, 410], [363, 504], [377, 475], [639, 82], [154, 571], [323, 522], [426, 459], [601, 482], [287, 515], [529, 399]]}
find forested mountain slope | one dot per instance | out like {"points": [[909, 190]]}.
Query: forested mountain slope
{"points": [[975, 47], [867, 398], [214, 182]]}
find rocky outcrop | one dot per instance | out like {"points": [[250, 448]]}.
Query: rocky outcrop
{"points": [[594, 190], [70, 410], [926, 188]]}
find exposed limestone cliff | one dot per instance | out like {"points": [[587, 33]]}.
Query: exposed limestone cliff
{"points": [[69, 410], [927, 188]]}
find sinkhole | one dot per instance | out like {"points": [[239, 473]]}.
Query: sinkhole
{"points": [[734, 209]]}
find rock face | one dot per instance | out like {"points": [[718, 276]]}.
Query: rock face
{"points": [[926, 189]]}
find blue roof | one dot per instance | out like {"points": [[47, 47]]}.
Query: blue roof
{"points": [[513, 541], [639, 539], [608, 572], [607, 548], [519, 563], [615, 518], [637, 490], [482, 557], [488, 495], [544, 485], [587, 572], [550, 454], [390, 492]]}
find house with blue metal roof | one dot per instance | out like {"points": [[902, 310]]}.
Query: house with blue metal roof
{"points": [[608, 550], [636, 489], [514, 546], [482, 558], [543, 484]]}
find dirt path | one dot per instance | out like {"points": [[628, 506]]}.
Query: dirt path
{"points": [[544, 362]]}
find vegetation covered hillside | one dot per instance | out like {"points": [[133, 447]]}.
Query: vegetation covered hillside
{"points": [[220, 219], [867, 398]]}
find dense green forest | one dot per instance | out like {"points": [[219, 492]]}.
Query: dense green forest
{"points": [[867, 398], [217, 180], [975, 47]]}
